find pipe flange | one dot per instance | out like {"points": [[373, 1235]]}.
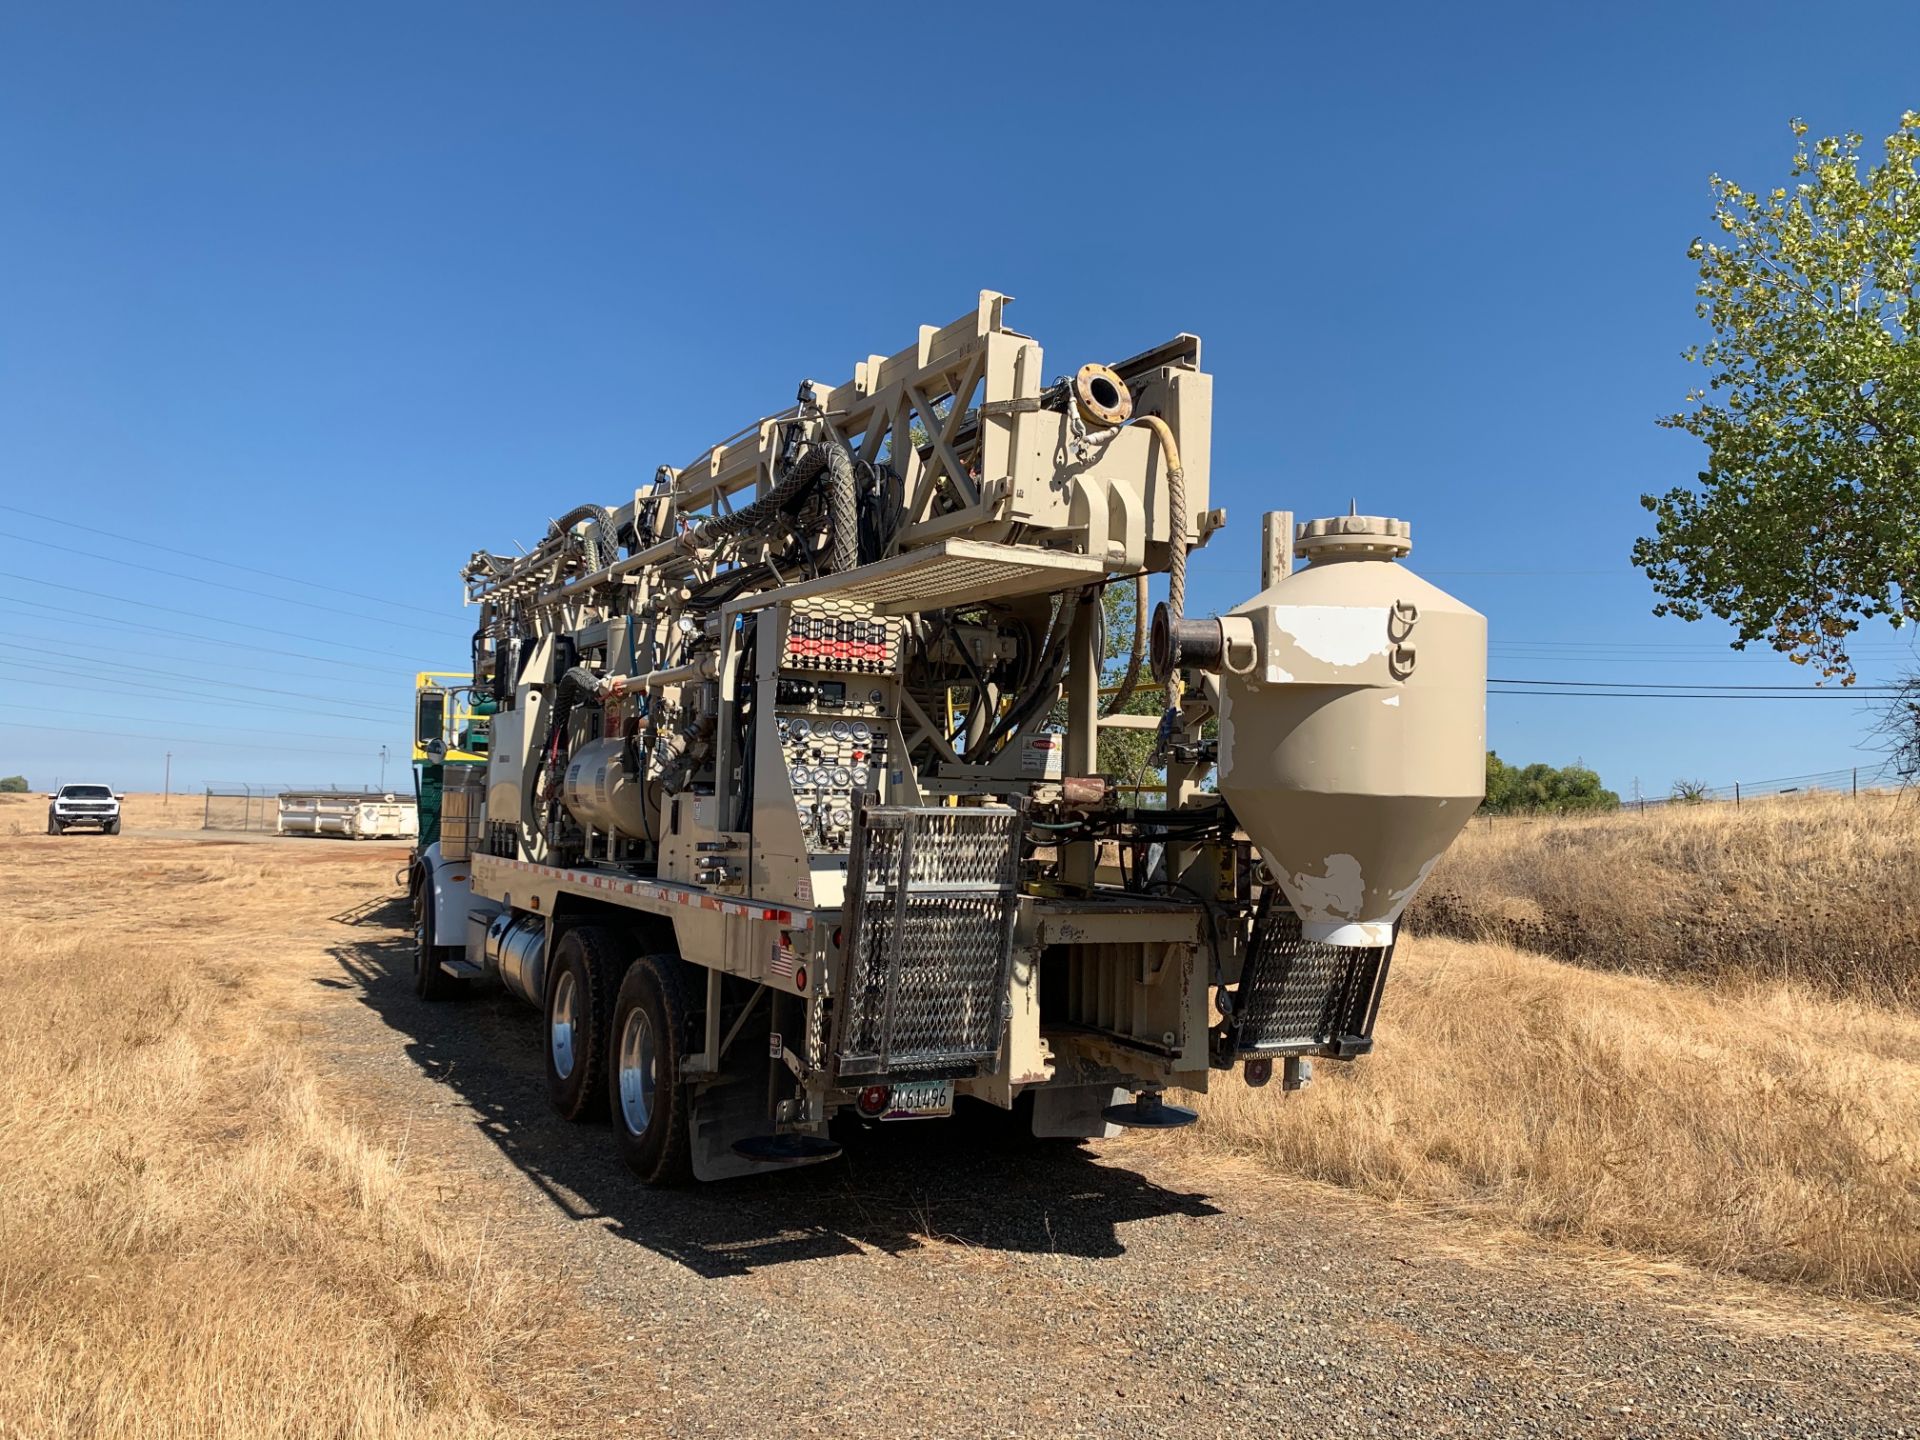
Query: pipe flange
{"points": [[1101, 396], [1353, 537]]}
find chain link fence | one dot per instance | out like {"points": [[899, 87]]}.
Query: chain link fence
{"points": [[237, 805]]}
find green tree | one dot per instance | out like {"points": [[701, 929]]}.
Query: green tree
{"points": [[1543, 789], [13, 785], [1126, 755], [1806, 520]]}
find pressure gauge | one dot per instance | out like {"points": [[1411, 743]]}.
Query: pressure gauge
{"points": [[801, 777], [800, 729], [843, 817], [862, 732], [842, 777], [874, 697], [841, 730], [859, 774]]}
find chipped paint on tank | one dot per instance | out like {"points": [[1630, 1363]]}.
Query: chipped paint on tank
{"points": [[1391, 700], [1339, 894], [1398, 898], [1277, 676], [1339, 635]]}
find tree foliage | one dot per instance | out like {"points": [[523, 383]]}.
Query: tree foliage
{"points": [[1126, 754], [1806, 520], [13, 785], [1543, 789]]}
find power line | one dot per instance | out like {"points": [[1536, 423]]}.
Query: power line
{"points": [[1758, 647], [1581, 659], [184, 666], [66, 614], [173, 739], [176, 675], [274, 630], [200, 725], [1669, 696], [152, 544], [1649, 685], [81, 680], [123, 564]]}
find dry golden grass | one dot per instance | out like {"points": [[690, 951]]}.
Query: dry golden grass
{"points": [[194, 1240], [27, 814], [1821, 890], [1755, 1127]]}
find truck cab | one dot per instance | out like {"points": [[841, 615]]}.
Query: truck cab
{"points": [[93, 806]]}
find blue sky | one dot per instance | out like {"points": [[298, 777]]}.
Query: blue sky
{"points": [[350, 290]]}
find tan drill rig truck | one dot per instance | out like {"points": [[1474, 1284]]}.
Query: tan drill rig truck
{"points": [[791, 812]]}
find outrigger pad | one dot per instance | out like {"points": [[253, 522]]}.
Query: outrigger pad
{"points": [[785, 1149], [1149, 1112]]}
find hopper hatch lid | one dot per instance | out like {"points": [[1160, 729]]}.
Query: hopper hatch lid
{"points": [[1352, 536]]}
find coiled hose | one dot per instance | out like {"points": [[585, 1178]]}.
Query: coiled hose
{"points": [[601, 544], [843, 506]]}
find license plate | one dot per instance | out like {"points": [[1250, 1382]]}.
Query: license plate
{"points": [[920, 1100]]}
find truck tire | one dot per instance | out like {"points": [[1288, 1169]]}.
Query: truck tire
{"points": [[54, 827], [652, 1026], [430, 982], [585, 970], [112, 827]]}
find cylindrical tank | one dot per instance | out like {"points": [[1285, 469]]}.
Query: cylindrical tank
{"points": [[1353, 720], [600, 794]]}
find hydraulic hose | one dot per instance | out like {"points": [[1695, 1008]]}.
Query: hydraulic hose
{"points": [[601, 544], [843, 512], [1176, 547]]}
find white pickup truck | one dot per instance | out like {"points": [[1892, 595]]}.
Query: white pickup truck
{"points": [[93, 805]]}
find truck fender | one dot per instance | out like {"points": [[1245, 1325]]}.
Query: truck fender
{"points": [[451, 883]]}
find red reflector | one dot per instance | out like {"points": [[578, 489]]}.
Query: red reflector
{"points": [[874, 1100], [1258, 1071], [837, 937], [799, 977]]}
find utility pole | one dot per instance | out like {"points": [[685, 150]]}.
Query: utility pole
{"points": [[166, 788], [383, 769]]}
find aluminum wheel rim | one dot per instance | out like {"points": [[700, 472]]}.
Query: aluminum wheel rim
{"points": [[560, 1027], [639, 1071]]}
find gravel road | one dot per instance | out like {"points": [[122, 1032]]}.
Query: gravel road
{"points": [[921, 1287]]}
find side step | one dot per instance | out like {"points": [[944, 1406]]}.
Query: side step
{"points": [[462, 969]]}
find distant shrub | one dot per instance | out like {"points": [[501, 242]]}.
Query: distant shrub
{"points": [[13, 785], [1542, 789]]}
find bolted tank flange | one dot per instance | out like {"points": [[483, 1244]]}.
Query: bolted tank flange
{"points": [[1352, 537]]}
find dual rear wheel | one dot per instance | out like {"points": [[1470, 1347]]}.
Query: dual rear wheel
{"points": [[616, 1035]]}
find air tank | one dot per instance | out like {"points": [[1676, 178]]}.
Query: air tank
{"points": [[601, 795], [1353, 720]]}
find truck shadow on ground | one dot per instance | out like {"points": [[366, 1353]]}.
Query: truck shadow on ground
{"points": [[896, 1189]]}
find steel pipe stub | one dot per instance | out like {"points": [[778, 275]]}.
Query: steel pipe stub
{"points": [[1101, 396], [1214, 643]]}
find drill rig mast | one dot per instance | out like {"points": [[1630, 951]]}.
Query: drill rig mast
{"points": [[792, 805]]}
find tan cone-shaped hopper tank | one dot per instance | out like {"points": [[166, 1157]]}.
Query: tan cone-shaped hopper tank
{"points": [[1353, 723]]}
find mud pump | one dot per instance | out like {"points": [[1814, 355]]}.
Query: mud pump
{"points": [[791, 816]]}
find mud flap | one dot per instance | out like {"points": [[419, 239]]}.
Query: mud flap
{"points": [[1072, 1112], [726, 1110]]}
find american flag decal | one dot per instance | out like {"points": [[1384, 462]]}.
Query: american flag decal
{"points": [[780, 967]]}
